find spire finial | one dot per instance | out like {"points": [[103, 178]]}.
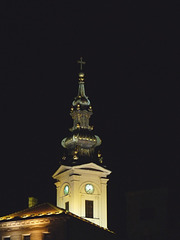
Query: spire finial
{"points": [[81, 62]]}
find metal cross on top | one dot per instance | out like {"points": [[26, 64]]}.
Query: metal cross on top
{"points": [[81, 63]]}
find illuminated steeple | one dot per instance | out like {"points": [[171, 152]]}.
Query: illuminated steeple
{"points": [[81, 143], [81, 179]]}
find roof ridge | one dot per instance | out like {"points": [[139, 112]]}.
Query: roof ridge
{"points": [[87, 221]]}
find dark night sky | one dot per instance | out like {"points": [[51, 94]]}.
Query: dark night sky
{"points": [[132, 79]]}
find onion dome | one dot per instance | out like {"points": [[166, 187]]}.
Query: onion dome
{"points": [[85, 141], [81, 143]]}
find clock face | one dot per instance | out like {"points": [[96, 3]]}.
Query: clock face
{"points": [[66, 190], [89, 188]]}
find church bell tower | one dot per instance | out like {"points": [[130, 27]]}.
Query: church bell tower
{"points": [[81, 179]]}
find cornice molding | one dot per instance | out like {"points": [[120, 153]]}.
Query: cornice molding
{"points": [[24, 223]]}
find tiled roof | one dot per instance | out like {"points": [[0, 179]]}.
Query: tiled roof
{"points": [[36, 211]]}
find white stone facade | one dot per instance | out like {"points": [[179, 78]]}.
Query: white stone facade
{"points": [[76, 177]]}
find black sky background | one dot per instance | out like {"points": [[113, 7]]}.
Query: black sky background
{"points": [[132, 79]]}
